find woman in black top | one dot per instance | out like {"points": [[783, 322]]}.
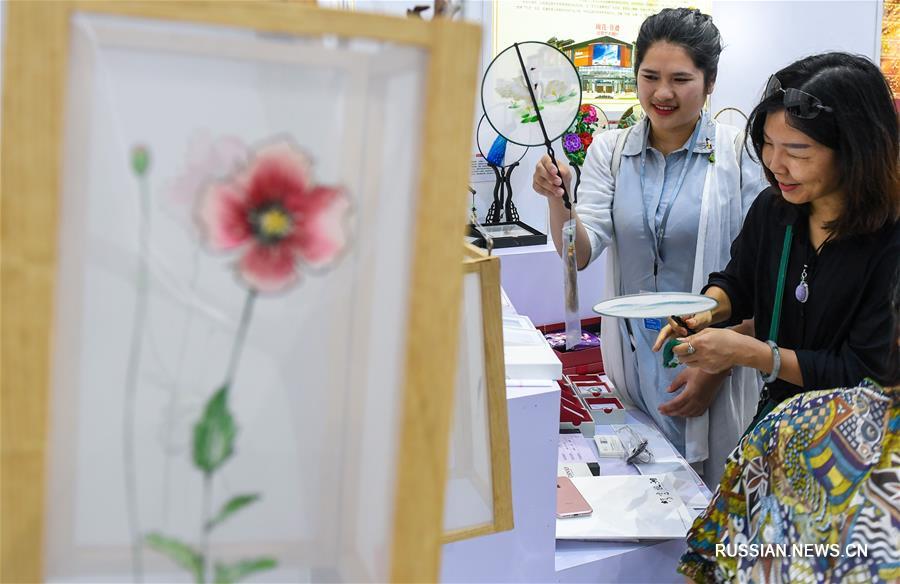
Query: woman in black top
{"points": [[827, 133]]}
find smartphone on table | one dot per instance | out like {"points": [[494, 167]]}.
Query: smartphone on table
{"points": [[569, 501]]}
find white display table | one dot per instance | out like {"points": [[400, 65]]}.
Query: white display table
{"points": [[530, 552]]}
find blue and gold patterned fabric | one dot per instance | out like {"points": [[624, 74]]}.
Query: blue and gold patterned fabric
{"points": [[812, 494]]}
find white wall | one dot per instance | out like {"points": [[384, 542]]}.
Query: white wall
{"points": [[762, 36]]}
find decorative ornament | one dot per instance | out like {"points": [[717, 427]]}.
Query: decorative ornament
{"points": [[801, 292]]}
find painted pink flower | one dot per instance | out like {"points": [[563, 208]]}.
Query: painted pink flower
{"points": [[208, 159], [274, 211]]}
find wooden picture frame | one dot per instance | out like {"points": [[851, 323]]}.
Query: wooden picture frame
{"points": [[479, 496], [35, 121]]}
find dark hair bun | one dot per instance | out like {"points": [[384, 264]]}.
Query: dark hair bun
{"points": [[688, 28]]}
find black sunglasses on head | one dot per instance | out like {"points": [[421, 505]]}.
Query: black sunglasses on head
{"points": [[797, 103]]}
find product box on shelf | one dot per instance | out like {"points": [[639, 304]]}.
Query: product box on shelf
{"points": [[587, 384], [606, 409], [526, 352], [584, 358], [592, 385]]}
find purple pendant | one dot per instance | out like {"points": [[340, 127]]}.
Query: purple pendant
{"points": [[801, 292]]}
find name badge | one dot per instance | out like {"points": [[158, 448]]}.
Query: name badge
{"points": [[653, 324]]}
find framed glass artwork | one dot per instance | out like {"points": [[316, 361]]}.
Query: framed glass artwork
{"points": [[479, 493], [220, 258]]}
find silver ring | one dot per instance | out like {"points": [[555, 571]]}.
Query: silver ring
{"points": [[691, 350]]}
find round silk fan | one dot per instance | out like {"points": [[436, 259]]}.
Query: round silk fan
{"points": [[494, 148], [731, 116], [530, 94], [631, 116], [503, 157], [602, 120]]}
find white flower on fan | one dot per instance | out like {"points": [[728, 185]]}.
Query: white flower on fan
{"points": [[513, 89], [557, 90]]}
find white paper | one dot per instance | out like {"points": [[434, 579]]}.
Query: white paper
{"points": [[573, 469], [686, 482], [627, 508], [616, 466], [575, 448], [479, 171]]}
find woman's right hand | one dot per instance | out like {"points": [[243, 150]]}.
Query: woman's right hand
{"points": [[673, 330], [547, 181]]}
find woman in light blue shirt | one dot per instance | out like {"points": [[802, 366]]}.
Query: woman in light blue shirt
{"points": [[666, 198]]}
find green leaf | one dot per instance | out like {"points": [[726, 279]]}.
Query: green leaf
{"points": [[234, 505], [226, 574], [140, 160], [179, 552], [214, 434]]}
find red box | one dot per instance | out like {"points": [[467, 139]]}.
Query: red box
{"points": [[573, 413], [581, 361], [588, 379], [606, 409]]}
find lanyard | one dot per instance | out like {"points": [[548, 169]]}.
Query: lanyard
{"points": [[776, 321], [779, 286], [656, 239]]}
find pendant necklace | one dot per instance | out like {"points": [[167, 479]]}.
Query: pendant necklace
{"points": [[801, 292]]}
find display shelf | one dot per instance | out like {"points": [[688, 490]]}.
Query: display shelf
{"points": [[527, 249]]}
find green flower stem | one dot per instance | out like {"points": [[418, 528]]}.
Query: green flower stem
{"points": [[131, 381], [173, 405], [204, 535], [233, 361], [240, 337]]}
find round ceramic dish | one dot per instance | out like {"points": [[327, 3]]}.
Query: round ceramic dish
{"points": [[655, 305]]}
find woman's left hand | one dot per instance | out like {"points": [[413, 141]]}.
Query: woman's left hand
{"points": [[700, 391], [712, 350]]}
